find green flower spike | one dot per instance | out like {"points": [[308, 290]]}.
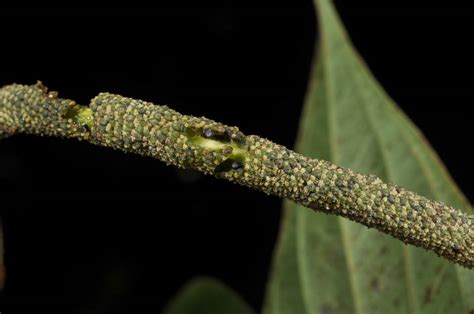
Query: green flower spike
{"points": [[190, 142]]}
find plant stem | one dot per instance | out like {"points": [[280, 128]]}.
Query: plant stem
{"points": [[190, 142]]}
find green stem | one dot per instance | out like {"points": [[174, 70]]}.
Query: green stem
{"points": [[189, 142]]}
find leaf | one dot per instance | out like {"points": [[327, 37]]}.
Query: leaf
{"points": [[327, 264], [207, 296]]}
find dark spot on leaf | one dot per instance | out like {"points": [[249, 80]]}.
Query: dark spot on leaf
{"points": [[428, 295], [326, 309], [375, 284], [396, 303]]}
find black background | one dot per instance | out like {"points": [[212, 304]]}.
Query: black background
{"points": [[87, 228]]}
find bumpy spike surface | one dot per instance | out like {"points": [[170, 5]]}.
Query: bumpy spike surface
{"points": [[213, 148]]}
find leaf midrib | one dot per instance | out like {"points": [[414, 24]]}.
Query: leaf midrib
{"points": [[407, 264], [333, 156]]}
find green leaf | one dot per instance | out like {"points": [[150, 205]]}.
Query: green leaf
{"points": [[328, 264], [207, 296]]}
